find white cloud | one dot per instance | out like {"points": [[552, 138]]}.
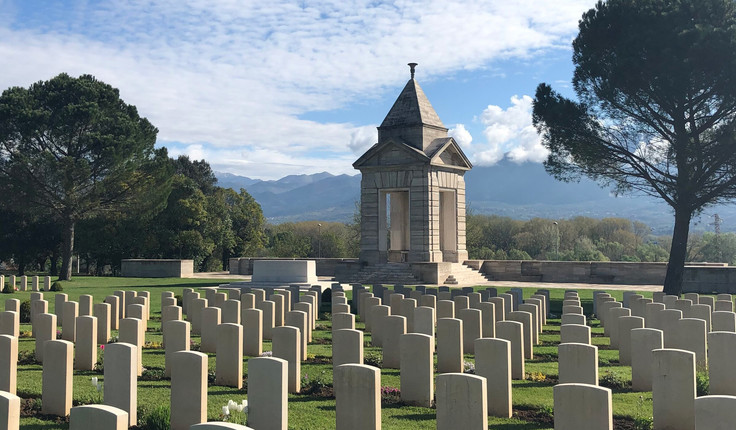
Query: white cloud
{"points": [[509, 132], [241, 74], [363, 138], [461, 135]]}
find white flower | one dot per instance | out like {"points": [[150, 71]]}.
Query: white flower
{"points": [[225, 411], [239, 408], [231, 406]]}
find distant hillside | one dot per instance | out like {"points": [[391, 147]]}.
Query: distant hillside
{"points": [[519, 191]]}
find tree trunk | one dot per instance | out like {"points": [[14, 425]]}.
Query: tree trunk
{"points": [[54, 263], [67, 251], [678, 253]]}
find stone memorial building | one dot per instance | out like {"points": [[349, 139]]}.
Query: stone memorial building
{"points": [[412, 188]]}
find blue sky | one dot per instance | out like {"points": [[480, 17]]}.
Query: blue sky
{"points": [[270, 88]]}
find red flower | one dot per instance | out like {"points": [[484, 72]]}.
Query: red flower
{"points": [[102, 347]]}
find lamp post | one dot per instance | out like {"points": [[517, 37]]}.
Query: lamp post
{"points": [[319, 240], [557, 240]]}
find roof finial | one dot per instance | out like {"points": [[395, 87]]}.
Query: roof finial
{"points": [[411, 68]]}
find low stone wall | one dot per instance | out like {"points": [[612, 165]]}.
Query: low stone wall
{"points": [[325, 266], [144, 268]]}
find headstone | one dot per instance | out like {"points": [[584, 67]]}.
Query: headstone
{"points": [[98, 417], [56, 392], [8, 363], [613, 323], [37, 307], [513, 331], [723, 305], [210, 321], [499, 307], [582, 406], [669, 323], [715, 412], [59, 300], [171, 313], [472, 328], [131, 331], [643, 342], [721, 371], [574, 333], [252, 332], [625, 326], [229, 362], [138, 311], [176, 339], [45, 330], [461, 302], [573, 319], [673, 389], [248, 301], [114, 302], [268, 392], [287, 346], [417, 369], [445, 309], [86, 346], [723, 321], [702, 312], [693, 336], [269, 320], [102, 313], [121, 389], [188, 389], [368, 305], [9, 409], [196, 306], [342, 321], [121, 305], [508, 303], [378, 313], [578, 363], [493, 362], [526, 319], [85, 305], [450, 345], [69, 321], [534, 312], [231, 312], [357, 397], [347, 345], [424, 321], [394, 326], [461, 402], [299, 319], [47, 283]]}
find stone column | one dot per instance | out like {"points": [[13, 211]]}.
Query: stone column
{"points": [[450, 345], [394, 326], [121, 370], [513, 331], [357, 397], [461, 402], [45, 330], [229, 363], [347, 347], [86, 346], [56, 393], [417, 369], [493, 362], [252, 332], [131, 331], [8, 363], [582, 406], [188, 389], [673, 389], [287, 346], [268, 408], [102, 313]]}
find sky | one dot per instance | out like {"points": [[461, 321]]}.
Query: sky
{"points": [[271, 88]]}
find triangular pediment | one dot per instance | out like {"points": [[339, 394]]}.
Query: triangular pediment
{"points": [[391, 153], [446, 152]]}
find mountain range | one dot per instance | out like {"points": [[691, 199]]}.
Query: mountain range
{"points": [[519, 191]]}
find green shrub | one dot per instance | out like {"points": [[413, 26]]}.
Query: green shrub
{"points": [[56, 286], [702, 382], [7, 289], [25, 311], [613, 381], [158, 418]]}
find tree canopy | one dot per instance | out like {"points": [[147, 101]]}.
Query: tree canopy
{"points": [[70, 149], [656, 107]]}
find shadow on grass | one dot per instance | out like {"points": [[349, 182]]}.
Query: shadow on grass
{"points": [[326, 408], [416, 417]]}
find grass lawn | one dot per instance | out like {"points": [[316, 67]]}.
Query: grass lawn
{"points": [[532, 398]]}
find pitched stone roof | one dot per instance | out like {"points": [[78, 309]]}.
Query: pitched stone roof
{"points": [[412, 108]]}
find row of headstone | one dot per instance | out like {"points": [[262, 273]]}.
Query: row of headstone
{"points": [[22, 283]]}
